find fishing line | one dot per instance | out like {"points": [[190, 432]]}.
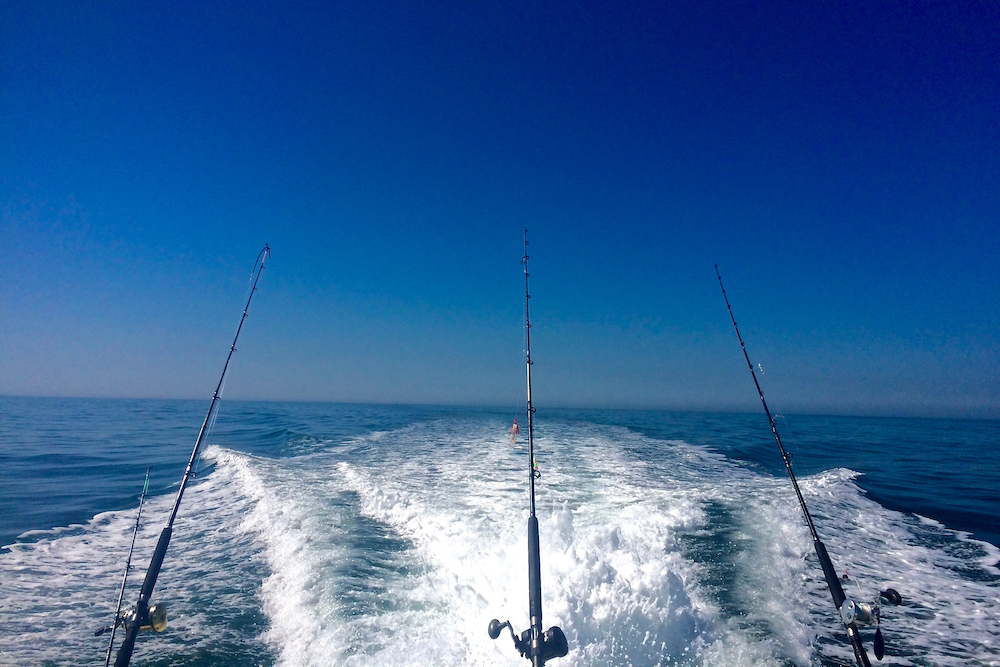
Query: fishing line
{"points": [[852, 613], [211, 426], [128, 566], [144, 615], [526, 337], [794, 447], [779, 413], [247, 294], [533, 644]]}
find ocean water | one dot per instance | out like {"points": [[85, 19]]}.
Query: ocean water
{"points": [[323, 534]]}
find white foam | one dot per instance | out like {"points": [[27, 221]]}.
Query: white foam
{"points": [[55, 591], [617, 576], [611, 577], [398, 549], [947, 617]]}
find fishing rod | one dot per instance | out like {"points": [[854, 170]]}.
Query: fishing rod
{"points": [[851, 613], [536, 646], [142, 615], [128, 566]]}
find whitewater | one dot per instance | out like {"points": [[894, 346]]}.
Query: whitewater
{"points": [[397, 542]]}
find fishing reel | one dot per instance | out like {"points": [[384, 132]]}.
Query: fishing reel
{"points": [[870, 613], [552, 643], [154, 619]]}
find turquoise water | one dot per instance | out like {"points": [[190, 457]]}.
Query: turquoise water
{"points": [[367, 534]]}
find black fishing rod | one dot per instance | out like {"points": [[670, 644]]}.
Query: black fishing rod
{"points": [[142, 615], [536, 646], [851, 613], [128, 566]]}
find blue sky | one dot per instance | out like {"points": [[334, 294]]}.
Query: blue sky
{"points": [[839, 162]]}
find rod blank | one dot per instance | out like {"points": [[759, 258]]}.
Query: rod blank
{"points": [[141, 613], [829, 571]]}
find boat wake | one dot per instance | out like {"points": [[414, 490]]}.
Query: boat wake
{"points": [[398, 547]]}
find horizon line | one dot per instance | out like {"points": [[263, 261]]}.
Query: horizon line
{"points": [[889, 411]]}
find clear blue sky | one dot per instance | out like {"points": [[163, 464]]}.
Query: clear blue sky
{"points": [[839, 161]]}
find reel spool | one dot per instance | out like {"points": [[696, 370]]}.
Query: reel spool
{"points": [[154, 619]]}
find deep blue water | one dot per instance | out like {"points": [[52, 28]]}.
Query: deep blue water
{"points": [[372, 534], [63, 460]]}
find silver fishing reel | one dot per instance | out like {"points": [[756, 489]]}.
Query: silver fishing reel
{"points": [[859, 613], [870, 613]]}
